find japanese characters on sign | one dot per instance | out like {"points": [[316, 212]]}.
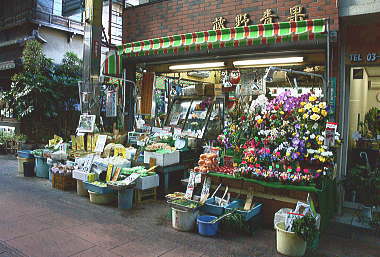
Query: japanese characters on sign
{"points": [[242, 20], [296, 13], [219, 23], [269, 17]]}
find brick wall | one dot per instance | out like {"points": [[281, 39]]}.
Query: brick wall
{"points": [[181, 16]]}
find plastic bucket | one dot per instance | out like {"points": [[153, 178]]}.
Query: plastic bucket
{"points": [[28, 169], [42, 169], [288, 243], [205, 228], [183, 220], [125, 199], [81, 190], [21, 164]]}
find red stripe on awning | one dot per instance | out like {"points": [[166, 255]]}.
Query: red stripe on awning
{"points": [[206, 36], [246, 31], [310, 25], [261, 29], [236, 43], [218, 34], [194, 37], [233, 33], [293, 27], [276, 28]]}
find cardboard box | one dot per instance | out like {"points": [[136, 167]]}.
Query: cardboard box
{"points": [[80, 175], [199, 89], [162, 159], [143, 183]]}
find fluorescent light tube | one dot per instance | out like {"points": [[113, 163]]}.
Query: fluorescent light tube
{"points": [[284, 60], [195, 66]]}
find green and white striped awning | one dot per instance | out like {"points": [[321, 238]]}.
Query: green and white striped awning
{"points": [[260, 34]]}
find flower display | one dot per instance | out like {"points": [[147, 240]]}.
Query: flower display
{"points": [[281, 139]]}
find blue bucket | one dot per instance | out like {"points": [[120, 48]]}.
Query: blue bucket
{"points": [[205, 228], [125, 199]]}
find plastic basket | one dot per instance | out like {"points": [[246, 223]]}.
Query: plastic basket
{"points": [[212, 207], [25, 154], [238, 204]]}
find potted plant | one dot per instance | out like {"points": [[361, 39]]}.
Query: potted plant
{"points": [[295, 242]]}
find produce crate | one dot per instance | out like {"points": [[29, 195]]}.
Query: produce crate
{"points": [[147, 182], [246, 214], [97, 198], [162, 159], [65, 183], [211, 207], [80, 175], [97, 189], [145, 195]]}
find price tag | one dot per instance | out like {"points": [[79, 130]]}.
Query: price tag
{"points": [[190, 186]]}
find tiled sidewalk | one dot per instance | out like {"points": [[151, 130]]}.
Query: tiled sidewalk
{"points": [[39, 221]]}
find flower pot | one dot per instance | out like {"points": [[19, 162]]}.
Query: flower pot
{"points": [[288, 243]]}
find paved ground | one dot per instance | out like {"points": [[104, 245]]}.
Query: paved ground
{"points": [[36, 220]]}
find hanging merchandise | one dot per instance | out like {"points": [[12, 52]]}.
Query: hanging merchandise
{"points": [[111, 103], [252, 83]]}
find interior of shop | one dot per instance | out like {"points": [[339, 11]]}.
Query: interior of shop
{"points": [[363, 139]]}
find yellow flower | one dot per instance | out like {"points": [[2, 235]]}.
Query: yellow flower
{"points": [[303, 103], [308, 106], [315, 109], [320, 142], [282, 113], [312, 98], [324, 113], [322, 105], [322, 159], [287, 154], [315, 117], [305, 116], [301, 110], [259, 121]]}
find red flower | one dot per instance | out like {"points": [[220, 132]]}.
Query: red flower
{"points": [[276, 107], [243, 117]]}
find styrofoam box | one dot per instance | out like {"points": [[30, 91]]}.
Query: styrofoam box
{"points": [[280, 216], [162, 159], [147, 182], [80, 175]]}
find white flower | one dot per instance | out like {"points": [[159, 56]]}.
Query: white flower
{"points": [[311, 151], [315, 126], [312, 136]]}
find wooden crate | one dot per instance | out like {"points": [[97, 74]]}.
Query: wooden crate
{"points": [[65, 183], [145, 195]]}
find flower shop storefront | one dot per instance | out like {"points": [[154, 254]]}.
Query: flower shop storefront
{"points": [[277, 144]]}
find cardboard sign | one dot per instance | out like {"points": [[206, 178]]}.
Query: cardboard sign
{"points": [[190, 186], [131, 178], [100, 143], [116, 175], [330, 131], [198, 178], [205, 190], [80, 143], [109, 172]]}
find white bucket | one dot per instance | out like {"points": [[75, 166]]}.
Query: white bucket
{"points": [[184, 220], [288, 243]]}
